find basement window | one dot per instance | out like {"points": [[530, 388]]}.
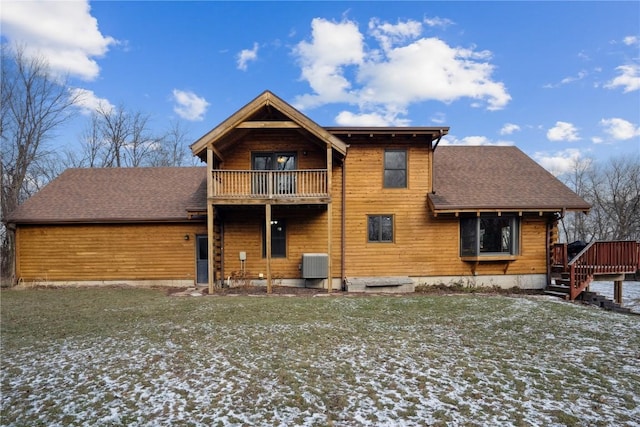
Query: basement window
{"points": [[489, 235]]}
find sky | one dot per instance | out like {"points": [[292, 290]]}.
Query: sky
{"points": [[559, 80]]}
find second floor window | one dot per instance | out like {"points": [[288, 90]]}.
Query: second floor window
{"points": [[395, 169]]}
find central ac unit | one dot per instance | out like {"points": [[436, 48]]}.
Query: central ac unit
{"points": [[314, 266]]}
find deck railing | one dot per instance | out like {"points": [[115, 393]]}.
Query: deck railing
{"points": [[250, 184], [607, 257]]}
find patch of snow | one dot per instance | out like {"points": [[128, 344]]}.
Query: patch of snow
{"points": [[630, 293]]}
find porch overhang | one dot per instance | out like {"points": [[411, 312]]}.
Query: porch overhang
{"points": [[456, 210]]}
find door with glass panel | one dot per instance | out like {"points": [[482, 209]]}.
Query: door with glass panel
{"points": [[281, 183]]}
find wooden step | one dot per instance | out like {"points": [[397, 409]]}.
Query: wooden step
{"points": [[562, 295], [558, 288]]}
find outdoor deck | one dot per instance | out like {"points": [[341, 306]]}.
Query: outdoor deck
{"points": [[604, 260]]}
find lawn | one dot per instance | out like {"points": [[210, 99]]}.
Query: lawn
{"points": [[138, 357]]}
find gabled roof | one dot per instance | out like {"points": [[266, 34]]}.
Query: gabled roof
{"points": [[250, 117], [116, 195], [493, 178]]}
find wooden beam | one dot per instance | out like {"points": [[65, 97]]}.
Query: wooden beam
{"points": [[267, 224], [210, 223], [329, 216], [268, 124], [216, 152]]}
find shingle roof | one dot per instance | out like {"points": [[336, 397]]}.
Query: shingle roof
{"points": [[117, 194], [494, 178]]}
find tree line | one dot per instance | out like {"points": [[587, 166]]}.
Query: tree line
{"points": [[612, 188], [35, 104]]}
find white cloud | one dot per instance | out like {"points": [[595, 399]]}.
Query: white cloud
{"points": [[62, 32], [405, 69], [473, 140], [629, 78], [563, 131], [620, 129], [333, 47], [347, 118], [436, 21], [88, 102], [189, 106], [390, 35], [247, 55], [439, 118], [570, 79], [560, 162], [509, 128], [631, 40]]}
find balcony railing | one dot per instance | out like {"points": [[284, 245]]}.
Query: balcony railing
{"points": [[250, 184]]}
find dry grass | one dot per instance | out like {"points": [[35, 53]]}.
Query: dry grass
{"points": [[139, 357]]}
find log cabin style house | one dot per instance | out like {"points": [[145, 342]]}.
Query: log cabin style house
{"points": [[284, 201]]}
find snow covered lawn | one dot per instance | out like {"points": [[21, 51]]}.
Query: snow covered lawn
{"points": [[137, 357]]}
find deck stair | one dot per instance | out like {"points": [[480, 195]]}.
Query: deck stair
{"points": [[610, 260]]}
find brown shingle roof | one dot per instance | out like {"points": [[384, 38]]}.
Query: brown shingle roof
{"points": [[116, 194], [496, 178]]}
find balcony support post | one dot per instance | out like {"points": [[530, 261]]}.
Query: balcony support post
{"points": [[210, 223], [329, 217], [267, 224]]}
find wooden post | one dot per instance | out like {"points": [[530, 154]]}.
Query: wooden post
{"points": [[329, 216], [617, 291], [210, 223], [267, 224]]}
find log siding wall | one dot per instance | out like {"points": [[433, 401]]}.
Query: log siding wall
{"points": [[107, 252]]}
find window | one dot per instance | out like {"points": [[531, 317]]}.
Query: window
{"points": [[489, 235], [395, 169], [380, 228], [278, 239]]}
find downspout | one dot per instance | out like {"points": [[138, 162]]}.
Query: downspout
{"points": [[433, 150], [343, 234]]}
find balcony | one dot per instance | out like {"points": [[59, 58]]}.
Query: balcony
{"points": [[241, 187]]}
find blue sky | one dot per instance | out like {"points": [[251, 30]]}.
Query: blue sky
{"points": [[560, 80]]}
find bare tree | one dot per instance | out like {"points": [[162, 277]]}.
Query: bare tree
{"points": [[574, 224], [116, 137], [142, 143], [613, 190], [171, 149], [615, 193], [34, 105]]}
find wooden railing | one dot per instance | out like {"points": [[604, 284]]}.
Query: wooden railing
{"points": [[599, 258], [249, 184]]}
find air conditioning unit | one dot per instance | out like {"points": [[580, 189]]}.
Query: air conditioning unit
{"points": [[314, 266]]}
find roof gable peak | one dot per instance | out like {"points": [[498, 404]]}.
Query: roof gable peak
{"points": [[267, 111]]}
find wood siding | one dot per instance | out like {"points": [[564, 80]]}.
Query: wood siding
{"points": [[238, 156], [423, 245], [107, 252]]}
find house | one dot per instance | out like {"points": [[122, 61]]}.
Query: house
{"points": [[283, 200]]}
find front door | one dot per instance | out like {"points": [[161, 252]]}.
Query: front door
{"points": [[202, 259]]}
